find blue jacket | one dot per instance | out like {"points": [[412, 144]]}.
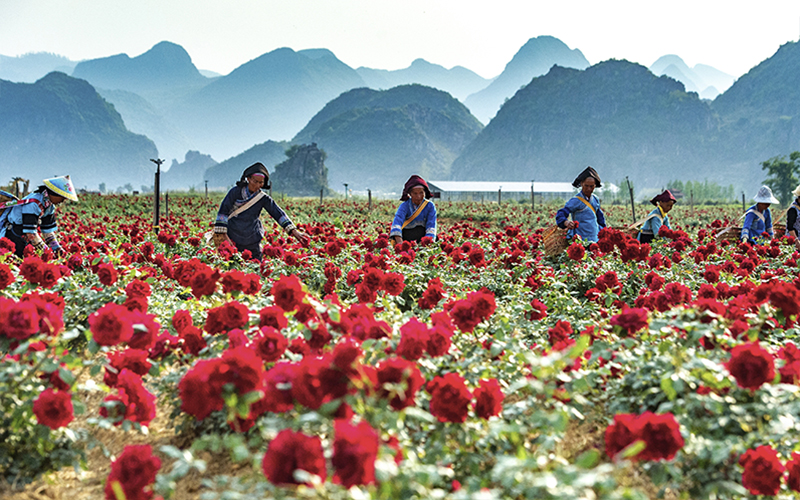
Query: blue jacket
{"points": [[246, 228], [426, 218], [653, 224], [589, 222], [756, 223], [31, 216]]}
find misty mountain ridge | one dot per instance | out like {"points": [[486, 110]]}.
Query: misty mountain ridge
{"points": [[458, 81], [60, 125], [28, 68], [377, 139], [535, 58], [703, 79]]}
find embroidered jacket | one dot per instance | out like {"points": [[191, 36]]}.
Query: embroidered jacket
{"points": [[755, 223], [426, 218], [40, 215], [793, 217], [245, 228], [589, 222]]}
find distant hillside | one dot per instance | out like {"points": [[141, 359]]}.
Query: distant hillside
{"points": [[60, 125], [535, 58], [163, 67], [143, 118], [458, 81], [188, 174], [703, 79], [28, 68], [616, 116], [377, 139], [224, 175], [270, 97], [761, 111]]}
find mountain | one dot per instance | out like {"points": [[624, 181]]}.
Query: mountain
{"points": [[458, 81], [701, 78], [164, 68], [188, 174], [535, 58], [761, 111], [616, 116], [270, 97], [377, 139], [60, 125], [143, 118], [30, 67], [303, 173], [224, 175]]}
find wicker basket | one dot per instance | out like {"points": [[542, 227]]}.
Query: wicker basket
{"points": [[730, 233], [554, 240], [632, 231]]}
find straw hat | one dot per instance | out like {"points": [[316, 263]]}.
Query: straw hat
{"points": [[764, 195], [796, 192], [62, 186]]}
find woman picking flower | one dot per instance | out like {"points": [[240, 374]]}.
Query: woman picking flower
{"points": [[658, 217], [587, 217], [416, 216], [238, 217], [758, 219]]}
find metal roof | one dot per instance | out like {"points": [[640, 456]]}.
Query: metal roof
{"points": [[507, 187]]}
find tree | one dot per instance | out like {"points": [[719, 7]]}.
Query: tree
{"points": [[783, 175]]}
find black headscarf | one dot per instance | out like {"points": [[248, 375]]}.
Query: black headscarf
{"points": [[412, 182], [663, 197], [588, 172], [255, 168]]}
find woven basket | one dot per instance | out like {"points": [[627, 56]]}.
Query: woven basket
{"points": [[554, 240], [730, 233], [632, 231], [780, 231]]}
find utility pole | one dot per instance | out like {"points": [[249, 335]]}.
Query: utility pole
{"points": [[345, 191], [206, 189], [498, 195], [533, 198], [369, 199], [157, 191]]}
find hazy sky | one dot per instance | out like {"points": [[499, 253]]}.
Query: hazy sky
{"points": [[732, 36]]}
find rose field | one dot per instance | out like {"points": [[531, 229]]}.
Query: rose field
{"points": [[143, 364]]}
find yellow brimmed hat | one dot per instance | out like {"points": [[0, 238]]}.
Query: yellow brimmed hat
{"points": [[62, 186]]}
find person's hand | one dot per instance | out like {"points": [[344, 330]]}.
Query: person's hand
{"points": [[396, 240], [300, 236], [570, 224]]}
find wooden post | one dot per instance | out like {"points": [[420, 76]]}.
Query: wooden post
{"points": [[744, 209], [533, 199], [166, 206], [321, 190], [498, 196], [206, 189], [157, 192], [691, 201], [369, 199], [633, 207]]}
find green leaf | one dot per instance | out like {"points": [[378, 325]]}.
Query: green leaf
{"points": [[588, 459], [633, 449], [669, 390]]}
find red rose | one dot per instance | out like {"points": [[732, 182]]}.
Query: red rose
{"points": [[414, 338], [133, 471], [393, 283], [631, 320], [762, 471], [53, 408], [193, 341], [137, 288], [139, 402], [576, 251], [488, 399], [111, 325], [661, 435], [399, 371], [476, 256], [31, 269], [134, 360], [18, 320], [464, 316], [538, 310], [373, 278], [107, 274], [145, 330], [270, 344], [204, 281], [6, 276], [181, 320], [272, 316], [316, 382], [432, 295], [439, 341], [277, 387], [291, 451], [560, 332], [793, 468], [198, 397], [450, 398], [346, 354], [751, 365], [288, 292], [625, 430], [227, 317], [355, 448]]}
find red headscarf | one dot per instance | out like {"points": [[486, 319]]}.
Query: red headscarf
{"points": [[412, 182]]}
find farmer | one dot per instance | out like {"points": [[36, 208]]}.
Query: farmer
{"points": [[758, 219], [416, 216], [793, 218], [238, 216], [587, 217], [658, 217], [22, 222]]}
